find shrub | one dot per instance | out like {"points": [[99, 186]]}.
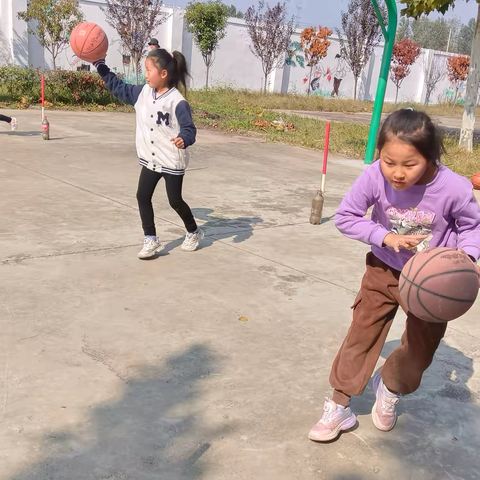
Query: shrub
{"points": [[61, 86]]}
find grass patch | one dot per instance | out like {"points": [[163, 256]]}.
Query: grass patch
{"points": [[279, 101], [240, 112]]}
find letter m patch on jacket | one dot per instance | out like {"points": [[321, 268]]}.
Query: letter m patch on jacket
{"points": [[163, 117]]}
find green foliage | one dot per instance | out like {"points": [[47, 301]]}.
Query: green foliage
{"points": [[465, 37], [415, 8], [233, 12], [61, 86], [55, 19], [207, 21]]}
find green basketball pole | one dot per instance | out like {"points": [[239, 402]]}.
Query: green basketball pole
{"points": [[389, 34]]}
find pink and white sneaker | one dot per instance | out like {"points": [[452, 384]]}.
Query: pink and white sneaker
{"points": [[384, 413], [335, 419]]}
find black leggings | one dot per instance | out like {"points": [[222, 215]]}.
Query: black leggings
{"points": [[5, 118], [146, 186]]}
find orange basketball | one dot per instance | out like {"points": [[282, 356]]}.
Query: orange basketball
{"points": [[439, 284], [89, 42]]}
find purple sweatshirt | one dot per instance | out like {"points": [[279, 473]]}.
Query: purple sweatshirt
{"points": [[445, 209]]}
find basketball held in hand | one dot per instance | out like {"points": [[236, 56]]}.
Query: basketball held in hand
{"points": [[439, 284], [89, 42]]}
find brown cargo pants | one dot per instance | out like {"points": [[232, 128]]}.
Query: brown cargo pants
{"points": [[373, 312]]}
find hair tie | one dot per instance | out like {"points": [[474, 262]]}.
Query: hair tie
{"points": [[410, 108]]}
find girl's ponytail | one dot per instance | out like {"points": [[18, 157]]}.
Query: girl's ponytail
{"points": [[181, 70]]}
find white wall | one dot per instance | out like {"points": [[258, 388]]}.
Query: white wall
{"points": [[234, 64]]}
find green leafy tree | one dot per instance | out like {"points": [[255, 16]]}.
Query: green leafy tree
{"points": [[51, 21], [207, 21], [416, 8], [404, 29], [465, 38], [431, 34], [233, 12]]}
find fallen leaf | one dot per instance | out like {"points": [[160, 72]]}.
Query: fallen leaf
{"points": [[242, 319]]}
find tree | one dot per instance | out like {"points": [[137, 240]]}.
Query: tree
{"points": [[270, 34], [434, 71], [415, 8], [233, 12], [315, 46], [457, 68], [293, 55], [134, 21], [431, 34], [404, 55], [360, 34], [207, 21], [55, 19], [404, 29], [465, 38]]}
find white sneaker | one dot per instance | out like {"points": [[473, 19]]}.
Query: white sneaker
{"points": [[151, 246], [384, 414], [190, 244], [13, 124], [335, 418]]}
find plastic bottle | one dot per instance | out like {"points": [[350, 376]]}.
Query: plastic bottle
{"points": [[45, 129], [317, 208]]}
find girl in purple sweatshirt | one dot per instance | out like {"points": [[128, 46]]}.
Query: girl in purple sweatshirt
{"points": [[417, 203]]}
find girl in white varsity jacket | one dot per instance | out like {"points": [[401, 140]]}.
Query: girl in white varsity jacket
{"points": [[165, 130]]}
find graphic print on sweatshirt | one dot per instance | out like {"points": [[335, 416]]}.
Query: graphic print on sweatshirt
{"points": [[163, 117], [411, 221]]}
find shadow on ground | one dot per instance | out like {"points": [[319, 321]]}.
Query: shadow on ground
{"points": [[154, 431], [437, 434], [240, 229], [18, 133]]}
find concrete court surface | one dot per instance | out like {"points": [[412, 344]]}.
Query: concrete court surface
{"points": [[116, 368]]}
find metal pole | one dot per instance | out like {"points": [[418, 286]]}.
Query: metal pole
{"points": [[389, 35]]}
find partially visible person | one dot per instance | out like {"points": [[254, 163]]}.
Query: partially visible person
{"points": [[153, 44], [11, 120], [418, 203], [339, 73]]}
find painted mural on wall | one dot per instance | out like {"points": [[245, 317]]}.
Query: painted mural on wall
{"points": [[327, 78]]}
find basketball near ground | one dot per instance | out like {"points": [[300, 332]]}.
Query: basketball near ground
{"points": [[89, 42], [439, 284]]}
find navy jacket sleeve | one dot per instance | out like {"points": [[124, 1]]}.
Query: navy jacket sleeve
{"points": [[188, 130], [124, 92]]}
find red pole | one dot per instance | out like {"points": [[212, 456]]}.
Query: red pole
{"points": [[325, 155], [43, 96], [325, 150]]}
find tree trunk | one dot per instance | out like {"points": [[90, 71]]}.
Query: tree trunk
{"points": [[427, 96], [396, 95], [471, 94], [206, 80], [355, 91], [265, 84], [136, 72]]}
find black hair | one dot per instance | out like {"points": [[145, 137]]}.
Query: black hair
{"points": [[175, 65], [338, 55], [415, 129]]}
